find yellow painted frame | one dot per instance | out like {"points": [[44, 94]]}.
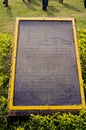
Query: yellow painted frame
{"points": [[11, 89]]}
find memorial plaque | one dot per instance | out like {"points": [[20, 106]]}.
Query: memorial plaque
{"points": [[46, 73]]}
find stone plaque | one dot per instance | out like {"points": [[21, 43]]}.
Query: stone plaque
{"points": [[46, 72]]}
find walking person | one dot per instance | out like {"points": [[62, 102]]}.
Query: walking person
{"points": [[6, 3], [44, 4]]}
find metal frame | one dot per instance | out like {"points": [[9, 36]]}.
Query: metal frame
{"points": [[11, 89]]}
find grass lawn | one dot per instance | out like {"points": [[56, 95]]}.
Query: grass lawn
{"points": [[17, 8]]}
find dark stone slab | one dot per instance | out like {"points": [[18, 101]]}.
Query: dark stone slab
{"points": [[46, 70]]}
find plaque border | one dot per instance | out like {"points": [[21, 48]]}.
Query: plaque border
{"points": [[13, 68]]}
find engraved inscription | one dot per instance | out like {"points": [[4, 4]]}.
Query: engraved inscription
{"points": [[46, 72]]}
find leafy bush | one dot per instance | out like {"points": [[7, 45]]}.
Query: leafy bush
{"points": [[82, 47], [55, 121], [3, 113], [5, 56]]}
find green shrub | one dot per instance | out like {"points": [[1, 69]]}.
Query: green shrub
{"points": [[56, 121], [5, 58], [82, 47], [3, 113]]}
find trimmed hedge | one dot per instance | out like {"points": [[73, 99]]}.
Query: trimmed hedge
{"points": [[82, 47], [5, 56]]}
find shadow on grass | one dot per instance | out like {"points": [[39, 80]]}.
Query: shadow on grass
{"points": [[34, 2], [51, 11], [9, 12], [68, 6], [30, 4], [52, 8]]}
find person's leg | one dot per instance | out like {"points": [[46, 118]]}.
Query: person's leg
{"points": [[6, 3], [44, 4], [60, 1], [85, 3], [29, 0]]}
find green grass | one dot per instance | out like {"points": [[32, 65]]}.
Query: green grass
{"points": [[70, 8]]}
